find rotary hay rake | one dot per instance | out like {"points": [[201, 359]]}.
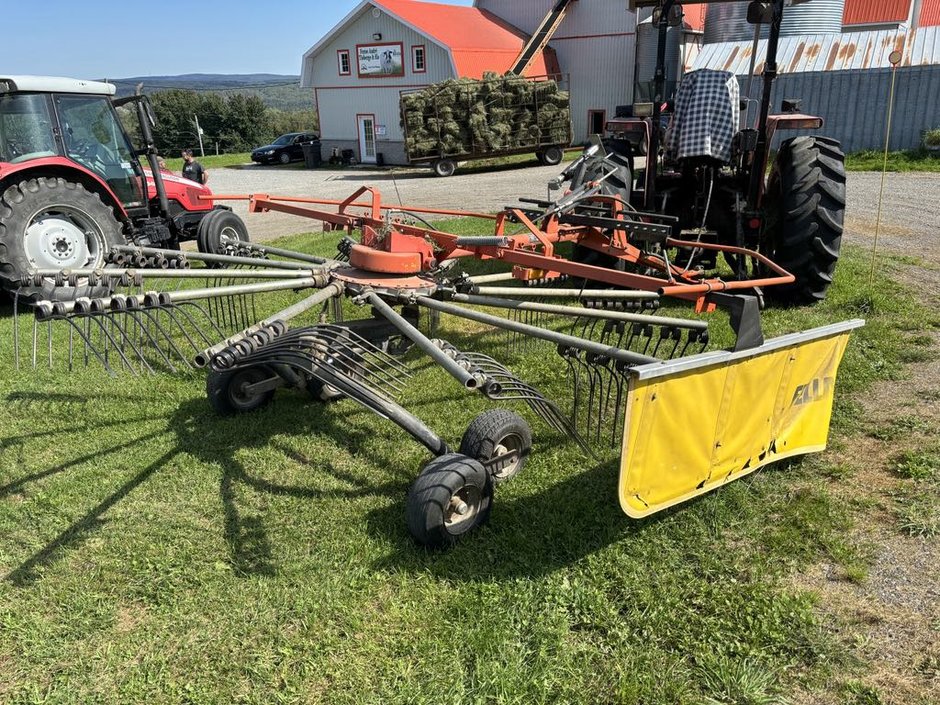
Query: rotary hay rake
{"points": [[686, 419]]}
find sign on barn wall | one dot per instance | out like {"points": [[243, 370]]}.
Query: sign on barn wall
{"points": [[379, 60]]}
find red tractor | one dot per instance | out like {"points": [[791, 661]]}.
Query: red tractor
{"points": [[72, 185], [706, 172]]}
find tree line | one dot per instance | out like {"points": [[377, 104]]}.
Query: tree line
{"points": [[233, 123]]}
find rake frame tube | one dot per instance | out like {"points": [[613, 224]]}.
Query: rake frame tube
{"points": [[626, 356], [581, 312], [422, 341]]}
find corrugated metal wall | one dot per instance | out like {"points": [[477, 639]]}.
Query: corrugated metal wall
{"points": [[341, 98], [727, 22], [595, 45], [854, 104]]}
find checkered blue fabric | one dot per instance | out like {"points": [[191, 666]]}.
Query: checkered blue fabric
{"points": [[706, 116]]}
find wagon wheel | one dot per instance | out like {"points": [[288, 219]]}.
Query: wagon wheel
{"points": [[501, 441], [452, 496]]}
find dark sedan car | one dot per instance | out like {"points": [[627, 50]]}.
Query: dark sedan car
{"points": [[285, 149]]}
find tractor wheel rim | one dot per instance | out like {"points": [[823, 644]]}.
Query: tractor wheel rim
{"points": [[61, 237], [461, 512], [509, 444]]}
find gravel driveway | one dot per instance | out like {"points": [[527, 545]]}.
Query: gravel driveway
{"points": [[910, 219]]}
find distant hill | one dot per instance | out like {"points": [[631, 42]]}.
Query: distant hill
{"points": [[276, 90]]}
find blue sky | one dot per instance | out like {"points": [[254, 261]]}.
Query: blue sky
{"points": [[106, 39]]}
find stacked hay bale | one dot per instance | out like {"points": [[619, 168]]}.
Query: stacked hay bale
{"points": [[497, 113]]}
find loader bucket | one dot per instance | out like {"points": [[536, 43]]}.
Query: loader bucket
{"points": [[695, 423]]}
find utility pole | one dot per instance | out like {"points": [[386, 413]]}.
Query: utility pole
{"points": [[202, 152]]}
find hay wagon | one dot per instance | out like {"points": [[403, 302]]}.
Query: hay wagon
{"points": [[464, 119]]}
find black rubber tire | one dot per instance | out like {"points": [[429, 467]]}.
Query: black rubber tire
{"points": [[225, 395], [430, 517], [498, 430], [805, 214], [585, 255], [284, 158], [19, 202], [216, 225], [444, 167], [551, 156], [322, 392]]}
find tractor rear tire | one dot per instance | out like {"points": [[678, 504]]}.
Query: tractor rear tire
{"points": [[217, 228], [51, 223], [805, 214]]}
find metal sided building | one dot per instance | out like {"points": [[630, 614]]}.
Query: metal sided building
{"points": [[383, 47], [834, 55]]}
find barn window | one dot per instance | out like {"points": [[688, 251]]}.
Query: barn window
{"points": [[342, 59], [417, 60]]}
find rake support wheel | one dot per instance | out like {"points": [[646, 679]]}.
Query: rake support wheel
{"points": [[452, 496], [499, 439], [805, 206], [229, 393]]}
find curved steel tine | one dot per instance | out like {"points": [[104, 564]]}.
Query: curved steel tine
{"points": [[88, 344], [195, 304], [93, 318], [148, 312], [153, 342]]}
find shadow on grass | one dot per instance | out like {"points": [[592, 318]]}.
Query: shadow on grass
{"points": [[186, 433], [526, 537]]}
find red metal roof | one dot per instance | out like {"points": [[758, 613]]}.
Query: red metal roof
{"points": [[929, 14], [876, 11], [479, 41], [695, 16]]}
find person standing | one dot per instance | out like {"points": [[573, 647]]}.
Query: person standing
{"points": [[192, 169]]}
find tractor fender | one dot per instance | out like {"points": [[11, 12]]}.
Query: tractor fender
{"points": [[59, 167]]}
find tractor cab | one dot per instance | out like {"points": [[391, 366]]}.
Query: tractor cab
{"points": [[59, 119], [74, 187]]}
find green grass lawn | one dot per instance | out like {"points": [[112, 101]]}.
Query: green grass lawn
{"points": [[151, 551], [907, 160]]}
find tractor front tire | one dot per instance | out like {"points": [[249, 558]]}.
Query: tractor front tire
{"points": [[805, 214], [51, 223], [217, 229]]}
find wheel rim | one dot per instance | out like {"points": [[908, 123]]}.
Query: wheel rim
{"points": [[61, 237], [285, 158], [227, 236], [509, 444], [237, 389], [461, 512]]}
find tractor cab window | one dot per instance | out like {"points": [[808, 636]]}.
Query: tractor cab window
{"points": [[25, 128], [94, 138]]}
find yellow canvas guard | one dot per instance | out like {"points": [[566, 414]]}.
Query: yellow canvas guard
{"points": [[695, 423]]}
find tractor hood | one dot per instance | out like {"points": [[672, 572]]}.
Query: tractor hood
{"points": [[187, 193]]}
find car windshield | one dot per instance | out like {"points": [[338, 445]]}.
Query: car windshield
{"points": [[282, 140]]}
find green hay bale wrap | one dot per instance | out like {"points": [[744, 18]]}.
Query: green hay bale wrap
{"points": [[467, 116]]}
